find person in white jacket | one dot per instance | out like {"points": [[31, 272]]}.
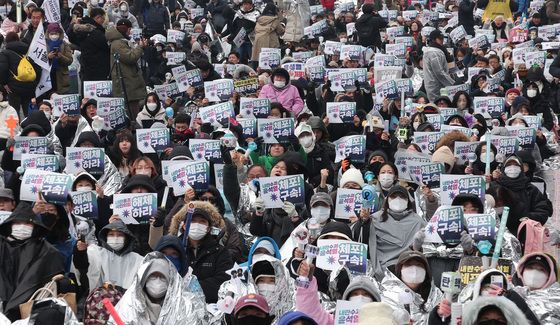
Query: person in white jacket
{"points": [[5, 112]]}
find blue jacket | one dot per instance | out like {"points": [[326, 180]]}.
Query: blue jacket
{"points": [[254, 247]]}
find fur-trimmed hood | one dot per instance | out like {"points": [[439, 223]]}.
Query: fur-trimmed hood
{"points": [[217, 219], [512, 313], [450, 138]]}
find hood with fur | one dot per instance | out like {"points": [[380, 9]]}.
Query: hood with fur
{"points": [[484, 277], [512, 313], [552, 265], [217, 220]]}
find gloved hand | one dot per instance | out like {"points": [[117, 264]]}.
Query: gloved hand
{"points": [[259, 206], [294, 141], [418, 240], [290, 209], [357, 84], [345, 164], [467, 242], [159, 217], [259, 141], [226, 155]]}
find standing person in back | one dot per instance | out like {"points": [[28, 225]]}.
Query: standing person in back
{"points": [[89, 35], [18, 75], [552, 11], [60, 57], [156, 18], [368, 27], [130, 73], [436, 72], [466, 17], [37, 17]]}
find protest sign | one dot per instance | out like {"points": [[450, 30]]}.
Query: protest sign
{"points": [[427, 140], [425, 173], [350, 29], [4, 215], [383, 60], [153, 140], [254, 107], [50, 187], [349, 203], [296, 70], [175, 36], [222, 69], [458, 34], [113, 112], [436, 120], [404, 157], [463, 149], [276, 190], [316, 73], [249, 125], [101, 88], [47, 163], [341, 80], [136, 33], [397, 49], [386, 73], [352, 147], [335, 252], [341, 112], [534, 121], [331, 48], [218, 90], [316, 61], [67, 104], [38, 49], [170, 90], [448, 128], [505, 145], [219, 176], [302, 56], [180, 75], [481, 226], [453, 185], [175, 58], [248, 86], [526, 136], [135, 208], [489, 106], [315, 29], [205, 149], [218, 115], [470, 268], [85, 204], [165, 166], [445, 226], [275, 130], [195, 174], [408, 41], [269, 58], [194, 78], [351, 52], [347, 312], [31, 145], [91, 160]]}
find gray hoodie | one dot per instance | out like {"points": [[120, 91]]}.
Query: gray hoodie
{"points": [[513, 315]]}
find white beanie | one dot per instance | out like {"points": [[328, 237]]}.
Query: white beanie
{"points": [[266, 245], [352, 175]]}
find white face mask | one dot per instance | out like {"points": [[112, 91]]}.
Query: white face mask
{"points": [[534, 279], [116, 243], [512, 171], [146, 172], [156, 287], [54, 37], [518, 124], [22, 232], [360, 298], [398, 204], [279, 84], [483, 157], [84, 188], [306, 141], [531, 93], [343, 40], [415, 125], [197, 231], [413, 274], [124, 9], [386, 180], [93, 2], [322, 214], [151, 106], [48, 115], [265, 289]]}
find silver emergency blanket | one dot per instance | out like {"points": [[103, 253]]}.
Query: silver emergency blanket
{"points": [[392, 288], [544, 303], [69, 316], [180, 306], [112, 180]]}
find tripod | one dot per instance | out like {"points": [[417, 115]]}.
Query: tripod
{"points": [[117, 66]]}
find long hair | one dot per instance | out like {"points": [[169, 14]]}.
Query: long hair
{"points": [[148, 161], [118, 157]]}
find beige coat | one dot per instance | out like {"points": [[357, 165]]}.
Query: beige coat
{"points": [[267, 32]]}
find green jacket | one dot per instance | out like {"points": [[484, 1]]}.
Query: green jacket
{"points": [[268, 161], [131, 73]]}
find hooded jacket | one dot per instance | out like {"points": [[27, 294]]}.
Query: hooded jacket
{"points": [[116, 14], [130, 72], [182, 303], [175, 243], [210, 260], [106, 264], [256, 244], [513, 315], [145, 116], [436, 72], [26, 265], [94, 59], [288, 95]]}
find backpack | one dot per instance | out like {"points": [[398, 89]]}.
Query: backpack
{"points": [[535, 238], [25, 71]]}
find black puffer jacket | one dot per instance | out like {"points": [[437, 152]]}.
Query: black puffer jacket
{"points": [[210, 261], [368, 27], [9, 61], [90, 38]]}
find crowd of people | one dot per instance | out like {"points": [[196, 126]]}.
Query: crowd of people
{"points": [[392, 119]]}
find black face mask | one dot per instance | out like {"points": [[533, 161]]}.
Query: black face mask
{"points": [[254, 320], [491, 322]]}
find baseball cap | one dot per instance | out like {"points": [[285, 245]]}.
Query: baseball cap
{"points": [[252, 300], [6, 193], [321, 197], [124, 22]]}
